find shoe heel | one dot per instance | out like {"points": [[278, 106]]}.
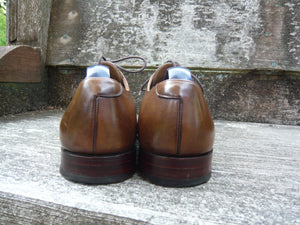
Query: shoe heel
{"points": [[97, 169], [174, 171]]}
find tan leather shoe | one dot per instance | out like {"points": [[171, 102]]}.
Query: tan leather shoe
{"points": [[98, 129], [176, 130]]}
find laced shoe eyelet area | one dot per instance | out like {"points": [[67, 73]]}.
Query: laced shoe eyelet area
{"points": [[175, 64], [102, 58]]}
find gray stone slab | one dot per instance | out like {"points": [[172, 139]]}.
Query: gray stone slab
{"points": [[255, 179]]}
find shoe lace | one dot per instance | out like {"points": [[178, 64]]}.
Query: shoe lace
{"points": [[196, 79], [102, 58]]}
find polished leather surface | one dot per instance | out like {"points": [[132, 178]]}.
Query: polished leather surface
{"points": [[174, 118], [101, 118]]}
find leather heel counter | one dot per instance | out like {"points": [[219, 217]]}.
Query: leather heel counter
{"points": [[82, 127], [181, 122], [157, 130], [114, 124]]}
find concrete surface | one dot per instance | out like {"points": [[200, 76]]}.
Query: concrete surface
{"points": [[255, 180]]}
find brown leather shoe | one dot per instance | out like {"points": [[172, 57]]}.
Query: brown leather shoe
{"points": [[176, 130], [98, 129]]}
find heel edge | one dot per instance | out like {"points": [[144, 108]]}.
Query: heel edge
{"points": [[177, 183], [94, 180], [97, 169], [171, 171]]}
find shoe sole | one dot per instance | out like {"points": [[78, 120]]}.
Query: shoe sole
{"points": [[175, 171], [97, 169]]}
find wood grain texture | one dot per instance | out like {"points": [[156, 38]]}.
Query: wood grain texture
{"points": [[211, 34], [23, 22], [11, 27], [255, 180], [20, 64], [28, 211]]}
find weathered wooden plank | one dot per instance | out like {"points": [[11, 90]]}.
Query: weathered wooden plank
{"points": [[12, 25], [270, 46], [26, 211], [20, 64], [255, 180], [44, 14], [28, 22], [23, 25], [64, 30], [210, 34]]}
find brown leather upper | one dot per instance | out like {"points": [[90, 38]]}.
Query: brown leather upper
{"points": [[174, 118], [101, 118]]}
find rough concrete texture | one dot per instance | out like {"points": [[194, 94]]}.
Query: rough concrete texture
{"points": [[215, 34], [22, 97], [255, 180], [253, 96]]}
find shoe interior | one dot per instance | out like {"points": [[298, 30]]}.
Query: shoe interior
{"points": [[159, 75], [116, 74], [180, 73], [97, 71]]}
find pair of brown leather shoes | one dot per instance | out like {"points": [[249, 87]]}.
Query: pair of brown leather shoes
{"points": [[175, 128]]}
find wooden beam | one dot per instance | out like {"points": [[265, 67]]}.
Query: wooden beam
{"points": [[20, 64], [12, 25]]}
